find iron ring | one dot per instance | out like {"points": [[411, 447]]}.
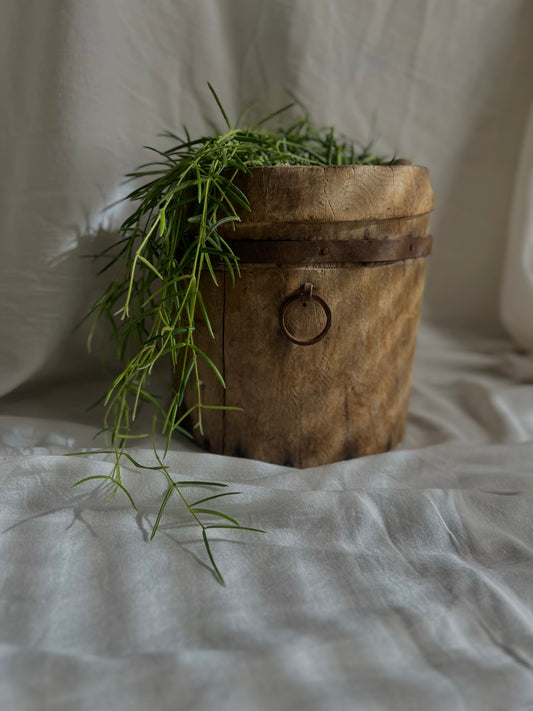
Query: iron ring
{"points": [[305, 294]]}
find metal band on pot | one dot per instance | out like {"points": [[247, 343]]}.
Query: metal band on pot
{"points": [[303, 252]]}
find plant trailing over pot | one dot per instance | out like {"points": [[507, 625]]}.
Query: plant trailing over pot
{"points": [[170, 246]]}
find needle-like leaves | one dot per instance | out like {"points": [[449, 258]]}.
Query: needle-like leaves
{"points": [[183, 205]]}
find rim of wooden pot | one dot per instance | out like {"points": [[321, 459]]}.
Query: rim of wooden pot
{"points": [[334, 193]]}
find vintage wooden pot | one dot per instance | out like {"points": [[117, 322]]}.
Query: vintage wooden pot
{"points": [[316, 338]]}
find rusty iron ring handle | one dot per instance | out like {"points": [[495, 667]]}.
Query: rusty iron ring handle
{"points": [[305, 294]]}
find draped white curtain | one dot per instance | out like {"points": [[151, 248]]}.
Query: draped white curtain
{"points": [[517, 283], [87, 84]]}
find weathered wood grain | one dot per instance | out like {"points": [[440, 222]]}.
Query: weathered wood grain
{"points": [[347, 395], [336, 193]]}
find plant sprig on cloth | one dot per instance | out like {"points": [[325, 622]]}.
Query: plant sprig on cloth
{"points": [[169, 244]]}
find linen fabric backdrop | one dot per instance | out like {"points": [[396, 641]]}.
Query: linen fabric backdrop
{"points": [[402, 580]]}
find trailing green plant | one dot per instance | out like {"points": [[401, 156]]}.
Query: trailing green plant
{"points": [[169, 244]]}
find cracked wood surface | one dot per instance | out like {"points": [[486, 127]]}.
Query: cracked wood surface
{"points": [[347, 395], [352, 193]]}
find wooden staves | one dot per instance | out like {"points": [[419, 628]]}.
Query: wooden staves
{"points": [[316, 339]]}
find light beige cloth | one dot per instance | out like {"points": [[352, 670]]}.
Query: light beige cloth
{"points": [[401, 581], [517, 284]]}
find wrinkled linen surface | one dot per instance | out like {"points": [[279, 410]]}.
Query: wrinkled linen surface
{"points": [[402, 580]]}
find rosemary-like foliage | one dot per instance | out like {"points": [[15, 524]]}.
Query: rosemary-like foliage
{"points": [[168, 245]]}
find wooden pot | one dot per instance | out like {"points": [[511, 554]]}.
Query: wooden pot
{"points": [[316, 338]]}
